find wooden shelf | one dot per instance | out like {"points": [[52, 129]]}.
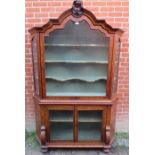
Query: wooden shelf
{"points": [[74, 94], [77, 45], [88, 79], [90, 116], [89, 121], [61, 116], [61, 121], [69, 61]]}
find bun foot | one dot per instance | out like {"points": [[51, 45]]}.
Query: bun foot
{"points": [[44, 149], [106, 151]]}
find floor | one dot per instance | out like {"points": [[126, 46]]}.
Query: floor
{"points": [[117, 150]]}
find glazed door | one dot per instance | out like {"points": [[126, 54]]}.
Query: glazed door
{"points": [[61, 124], [76, 124], [90, 124]]}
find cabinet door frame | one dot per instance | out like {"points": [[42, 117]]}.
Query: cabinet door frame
{"points": [[103, 122], [75, 109], [57, 107]]}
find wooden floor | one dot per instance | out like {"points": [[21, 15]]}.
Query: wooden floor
{"points": [[114, 151]]}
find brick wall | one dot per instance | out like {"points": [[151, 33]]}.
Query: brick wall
{"points": [[115, 12]]}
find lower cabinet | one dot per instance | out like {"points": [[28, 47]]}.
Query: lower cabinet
{"points": [[75, 126], [69, 125]]}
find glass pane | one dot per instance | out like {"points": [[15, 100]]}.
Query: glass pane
{"points": [[89, 131], [90, 116], [89, 125], [77, 35], [61, 115], [61, 124], [61, 131], [76, 60]]}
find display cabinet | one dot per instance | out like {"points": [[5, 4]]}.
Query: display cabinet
{"points": [[75, 62]]}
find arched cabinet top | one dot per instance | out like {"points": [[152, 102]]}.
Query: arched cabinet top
{"points": [[59, 23]]}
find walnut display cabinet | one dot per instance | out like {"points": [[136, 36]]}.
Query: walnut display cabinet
{"points": [[75, 61]]}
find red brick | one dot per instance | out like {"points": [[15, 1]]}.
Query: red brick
{"points": [[125, 24], [93, 8], [61, 9], [45, 20], [47, 9], [121, 19], [113, 3], [37, 4], [33, 9], [41, 15], [125, 14], [110, 20], [115, 14], [107, 9], [125, 3], [54, 4], [34, 20], [100, 3], [121, 9], [28, 4], [98, 15], [54, 15], [69, 4], [86, 3], [116, 25], [29, 15]]}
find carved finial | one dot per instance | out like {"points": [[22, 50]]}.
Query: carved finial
{"points": [[77, 8]]}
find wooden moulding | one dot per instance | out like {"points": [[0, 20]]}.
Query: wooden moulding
{"points": [[74, 101]]}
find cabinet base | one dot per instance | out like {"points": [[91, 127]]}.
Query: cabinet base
{"points": [[106, 148], [99, 145]]}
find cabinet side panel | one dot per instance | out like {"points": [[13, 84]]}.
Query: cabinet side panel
{"points": [[38, 121], [113, 119]]}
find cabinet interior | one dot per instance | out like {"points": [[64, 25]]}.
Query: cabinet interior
{"points": [[76, 61], [62, 124]]}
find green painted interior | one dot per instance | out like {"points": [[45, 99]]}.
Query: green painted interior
{"points": [[89, 131], [61, 115], [89, 125], [75, 88], [73, 54], [66, 71], [61, 131], [61, 124], [90, 116]]}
